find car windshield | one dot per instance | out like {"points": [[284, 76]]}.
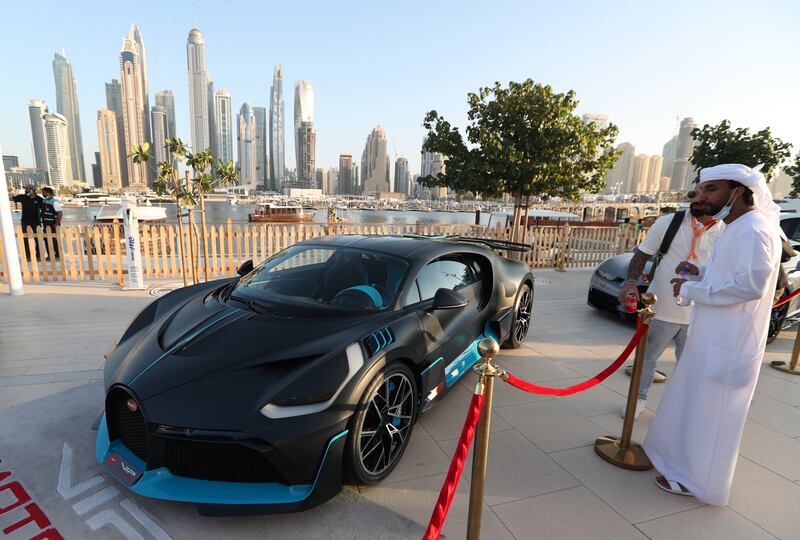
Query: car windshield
{"points": [[324, 278]]}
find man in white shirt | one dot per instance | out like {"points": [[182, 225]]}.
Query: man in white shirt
{"points": [[692, 241]]}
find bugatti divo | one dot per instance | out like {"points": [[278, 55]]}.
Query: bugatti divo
{"points": [[265, 392]]}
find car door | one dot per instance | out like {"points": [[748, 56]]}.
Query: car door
{"points": [[791, 227], [450, 334]]}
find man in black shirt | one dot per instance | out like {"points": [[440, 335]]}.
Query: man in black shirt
{"points": [[31, 214]]}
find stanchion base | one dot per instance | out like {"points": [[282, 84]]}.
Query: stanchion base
{"points": [[780, 365], [658, 376], [609, 448]]}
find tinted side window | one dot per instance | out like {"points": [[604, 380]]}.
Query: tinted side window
{"points": [[791, 229], [450, 273]]}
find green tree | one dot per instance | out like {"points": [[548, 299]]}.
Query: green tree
{"points": [[189, 191], [523, 140], [719, 144], [794, 172]]}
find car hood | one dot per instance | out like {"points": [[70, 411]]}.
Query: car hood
{"points": [[616, 268], [203, 337]]}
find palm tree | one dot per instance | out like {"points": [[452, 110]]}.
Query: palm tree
{"points": [[205, 183]]}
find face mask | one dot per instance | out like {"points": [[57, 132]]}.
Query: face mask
{"points": [[725, 210]]}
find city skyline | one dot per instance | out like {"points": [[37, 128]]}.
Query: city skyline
{"points": [[642, 89]]}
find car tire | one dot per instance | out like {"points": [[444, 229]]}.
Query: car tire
{"points": [[777, 319], [380, 429], [523, 312]]}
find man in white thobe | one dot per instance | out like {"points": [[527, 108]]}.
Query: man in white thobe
{"points": [[694, 438]]}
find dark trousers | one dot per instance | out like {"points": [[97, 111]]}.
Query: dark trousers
{"points": [[51, 227], [30, 229]]}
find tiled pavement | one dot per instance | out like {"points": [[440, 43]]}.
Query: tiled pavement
{"points": [[543, 480]]}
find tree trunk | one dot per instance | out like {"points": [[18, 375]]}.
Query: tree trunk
{"points": [[191, 236], [180, 231], [205, 235]]}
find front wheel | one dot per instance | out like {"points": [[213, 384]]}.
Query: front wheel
{"points": [[523, 309], [777, 319], [382, 424]]}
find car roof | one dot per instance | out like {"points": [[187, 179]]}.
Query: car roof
{"points": [[400, 246]]}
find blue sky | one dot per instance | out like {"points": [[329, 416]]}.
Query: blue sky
{"points": [[642, 63]]}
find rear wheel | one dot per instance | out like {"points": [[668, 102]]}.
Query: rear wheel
{"points": [[777, 319], [382, 424], [523, 309]]}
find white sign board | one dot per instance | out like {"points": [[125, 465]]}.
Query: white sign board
{"points": [[132, 245]]}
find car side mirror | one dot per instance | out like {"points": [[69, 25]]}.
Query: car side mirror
{"points": [[246, 268], [448, 299]]}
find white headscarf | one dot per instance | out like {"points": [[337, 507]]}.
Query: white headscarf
{"points": [[753, 179]]}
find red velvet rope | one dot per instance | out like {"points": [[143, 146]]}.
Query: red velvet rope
{"points": [[782, 301], [585, 385], [454, 472]]}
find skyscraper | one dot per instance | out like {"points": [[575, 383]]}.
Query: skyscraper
{"points": [[110, 165], [346, 181], [620, 178], [165, 99], [375, 163], [306, 160], [158, 117], [277, 139], [401, 176], [261, 147], [432, 164], [247, 147], [36, 110], [60, 169], [681, 168], [654, 173], [326, 181], [97, 174], [137, 38], [198, 90], [212, 121], [67, 106], [114, 103], [223, 125], [134, 115], [668, 153], [303, 114]]}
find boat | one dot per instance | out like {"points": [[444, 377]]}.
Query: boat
{"points": [[149, 214], [276, 213]]}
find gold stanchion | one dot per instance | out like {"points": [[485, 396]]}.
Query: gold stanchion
{"points": [[621, 451], [488, 349], [791, 367]]}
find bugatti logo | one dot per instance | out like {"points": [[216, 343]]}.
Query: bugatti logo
{"points": [[132, 405]]}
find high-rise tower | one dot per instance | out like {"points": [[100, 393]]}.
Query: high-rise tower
{"points": [[223, 125], [36, 110], [247, 147], [135, 117], [198, 90], [67, 106], [277, 166]]}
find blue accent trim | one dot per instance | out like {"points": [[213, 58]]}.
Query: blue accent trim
{"points": [[370, 291], [183, 342], [424, 371], [385, 343], [464, 361], [162, 484], [377, 343]]}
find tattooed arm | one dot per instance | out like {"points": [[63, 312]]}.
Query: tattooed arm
{"points": [[635, 269]]}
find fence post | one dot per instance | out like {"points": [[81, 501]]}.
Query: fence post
{"points": [[563, 247]]}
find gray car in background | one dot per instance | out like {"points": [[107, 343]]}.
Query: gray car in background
{"points": [[608, 278]]}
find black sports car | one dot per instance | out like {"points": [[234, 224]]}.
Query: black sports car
{"points": [[260, 393]]}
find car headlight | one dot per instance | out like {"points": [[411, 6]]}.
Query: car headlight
{"points": [[286, 405]]}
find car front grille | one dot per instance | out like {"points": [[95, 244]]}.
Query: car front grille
{"points": [[190, 458], [123, 424], [224, 462], [603, 300]]}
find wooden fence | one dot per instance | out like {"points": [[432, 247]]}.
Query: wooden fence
{"points": [[96, 252]]}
